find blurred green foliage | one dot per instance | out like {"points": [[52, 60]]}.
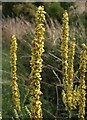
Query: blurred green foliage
{"points": [[54, 9], [26, 9], [67, 5], [7, 9]]}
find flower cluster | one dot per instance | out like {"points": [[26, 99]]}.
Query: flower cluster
{"points": [[13, 58], [36, 65], [64, 49], [70, 65], [75, 97], [71, 74], [69, 95], [82, 86], [64, 45]]}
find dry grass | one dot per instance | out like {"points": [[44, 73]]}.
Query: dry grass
{"points": [[16, 26], [21, 27]]}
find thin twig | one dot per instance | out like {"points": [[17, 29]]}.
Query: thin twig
{"points": [[25, 97], [57, 101], [55, 56], [49, 113], [57, 77]]}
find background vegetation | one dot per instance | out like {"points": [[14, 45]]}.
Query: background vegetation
{"points": [[18, 19]]}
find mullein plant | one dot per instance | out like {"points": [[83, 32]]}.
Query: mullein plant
{"points": [[72, 96], [67, 65], [13, 59], [82, 86], [71, 74], [36, 65], [64, 45], [64, 49]]}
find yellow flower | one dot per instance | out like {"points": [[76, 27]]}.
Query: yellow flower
{"points": [[64, 49], [64, 46], [82, 86], [72, 97], [13, 58], [36, 65]]}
